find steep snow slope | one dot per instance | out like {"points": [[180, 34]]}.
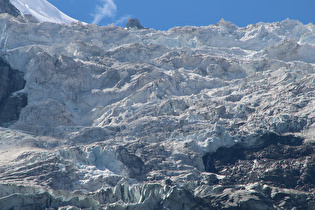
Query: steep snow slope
{"points": [[190, 118], [42, 10]]}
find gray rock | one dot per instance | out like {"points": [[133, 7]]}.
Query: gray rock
{"points": [[11, 102], [134, 23], [7, 7]]}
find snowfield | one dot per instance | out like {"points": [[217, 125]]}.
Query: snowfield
{"points": [[42, 10], [122, 118]]}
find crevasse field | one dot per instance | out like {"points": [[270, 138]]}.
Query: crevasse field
{"points": [[213, 117]]}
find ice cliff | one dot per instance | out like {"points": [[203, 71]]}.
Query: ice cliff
{"points": [[213, 117]]}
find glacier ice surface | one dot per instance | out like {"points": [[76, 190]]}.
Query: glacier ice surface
{"points": [[121, 117]]}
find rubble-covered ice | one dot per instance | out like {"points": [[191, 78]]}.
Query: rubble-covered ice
{"points": [[187, 118]]}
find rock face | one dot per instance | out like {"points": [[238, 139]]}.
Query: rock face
{"points": [[214, 117], [134, 23], [283, 161], [7, 7], [11, 101]]}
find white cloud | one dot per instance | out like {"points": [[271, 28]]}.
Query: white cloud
{"points": [[122, 20], [108, 9]]}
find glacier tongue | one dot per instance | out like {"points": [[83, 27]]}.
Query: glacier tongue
{"points": [[145, 119]]}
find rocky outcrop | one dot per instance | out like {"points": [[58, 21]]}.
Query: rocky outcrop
{"points": [[7, 7], [11, 101], [282, 161], [134, 23]]}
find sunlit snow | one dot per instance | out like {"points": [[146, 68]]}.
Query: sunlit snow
{"points": [[42, 10]]}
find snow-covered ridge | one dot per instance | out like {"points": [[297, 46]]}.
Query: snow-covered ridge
{"points": [[42, 10]]}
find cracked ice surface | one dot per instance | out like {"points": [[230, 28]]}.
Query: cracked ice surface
{"points": [[107, 105]]}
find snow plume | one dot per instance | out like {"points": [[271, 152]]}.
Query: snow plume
{"points": [[107, 10]]}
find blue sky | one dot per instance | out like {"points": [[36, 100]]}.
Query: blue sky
{"points": [[165, 14]]}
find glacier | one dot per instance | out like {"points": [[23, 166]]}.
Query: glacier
{"points": [[212, 117], [42, 11]]}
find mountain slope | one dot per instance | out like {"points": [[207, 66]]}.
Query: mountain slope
{"points": [[42, 10], [206, 117], [7, 7]]}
